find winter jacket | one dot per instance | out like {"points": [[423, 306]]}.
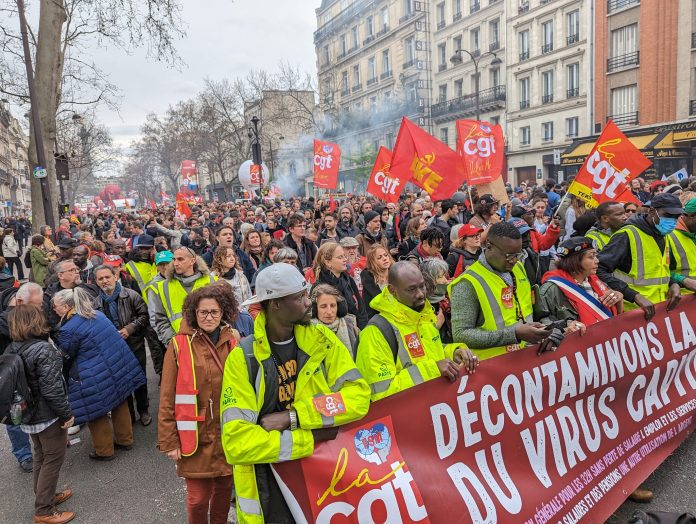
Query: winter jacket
{"points": [[133, 316], [39, 265], [51, 317], [454, 257], [244, 261], [209, 459], [349, 290], [10, 248], [310, 251], [366, 242], [43, 367], [370, 289], [102, 370], [347, 230]]}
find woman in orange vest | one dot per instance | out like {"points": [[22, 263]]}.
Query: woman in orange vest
{"points": [[189, 412]]}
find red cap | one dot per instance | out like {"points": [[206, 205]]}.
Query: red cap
{"points": [[658, 183], [278, 234], [467, 230], [113, 260]]}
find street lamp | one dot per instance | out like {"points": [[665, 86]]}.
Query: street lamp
{"points": [[270, 147], [256, 148], [457, 59]]}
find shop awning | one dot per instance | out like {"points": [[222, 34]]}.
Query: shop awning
{"points": [[578, 151]]}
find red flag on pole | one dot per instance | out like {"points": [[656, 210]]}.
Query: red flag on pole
{"points": [[327, 160], [383, 183], [183, 211], [332, 203], [426, 161], [609, 168], [481, 146]]}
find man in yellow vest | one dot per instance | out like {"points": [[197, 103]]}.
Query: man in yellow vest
{"points": [[611, 216], [636, 261], [401, 346], [288, 387], [492, 300], [140, 265], [682, 246], [186, 273]]}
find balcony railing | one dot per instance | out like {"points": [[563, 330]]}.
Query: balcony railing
{"points": [[410, 63], [547, 99], [356, 88], [523, 8], [692, 107], [572, 39], [410, 15], [489, 100], [475, 6], [441, 24], [573, 92], [345, 92], [476, 53], [544, 2], [493, 46], [524, 104], [383, 31], [524, 55], [341, 19], [546, 48], [441, 67], [621, 62], [625, 119], [457, 17], [372, 80], [368, 39], [571, 134], [615, 5], [386, 74]]}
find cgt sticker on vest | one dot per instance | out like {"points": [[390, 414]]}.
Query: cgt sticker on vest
{"points": [[361, 476], [330, 405], [414, 346], [506, 297]]}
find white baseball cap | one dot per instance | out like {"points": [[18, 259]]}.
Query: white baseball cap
{"points": [[277, 281]]}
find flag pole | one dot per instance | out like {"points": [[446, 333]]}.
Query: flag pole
{"points": [[563, 198]]}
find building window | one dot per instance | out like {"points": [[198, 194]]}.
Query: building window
{"points": [[369, 26], [547, 87], [385, 18], [444, 135], [386, 63], [495, 120], [344, 82], [441, 57], [409, 7], [547, 131], [457, 10], [458, 88], [523, 41], [442, 93], [572, 127], [476, 41], [457, 43], [624, 48], [373, 107], [573, 27], [494, 34], [573, 73], [371, 70], [547, 37], [474, 81], [495, 77], [624, 105], [356, 76], [524, 93], [440, 15], [342, 44], [325, 55], [525, 136], [410, 48], [354, 37], [390, 140]]}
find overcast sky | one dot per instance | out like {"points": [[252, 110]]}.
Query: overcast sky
{"points": [[224, 39]]}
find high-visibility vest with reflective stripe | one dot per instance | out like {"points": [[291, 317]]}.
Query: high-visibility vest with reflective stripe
{"points": [[142, 272], [185, 400], [599, 238], [649, 274], [489, 289], [683, 248], [173, 294]]}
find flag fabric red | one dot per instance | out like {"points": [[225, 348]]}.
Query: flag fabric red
{"points": [[427, 162], [332, 203], [482, 148], [327, 160], [609, 168], [183, 211], [383, 184]]}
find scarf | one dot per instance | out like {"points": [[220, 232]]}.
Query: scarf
{"points": [[341, 330], [111, 303], [230, 274], [589, 309]]}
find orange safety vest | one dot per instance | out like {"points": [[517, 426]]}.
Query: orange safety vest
{"points": [[186, 401]]}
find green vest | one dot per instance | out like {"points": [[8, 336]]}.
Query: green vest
{"points": [[173, 294], [683, 248], [500, 307], [649, 274], [599, 238]]}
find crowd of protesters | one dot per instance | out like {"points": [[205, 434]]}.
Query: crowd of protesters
{"points": [[238, 295]]}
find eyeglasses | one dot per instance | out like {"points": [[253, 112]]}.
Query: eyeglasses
{"points": [[213, 313], [509, 257]]}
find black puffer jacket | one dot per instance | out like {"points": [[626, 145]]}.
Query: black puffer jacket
{"points": [[349, 289], [132, 315], [43, 366]]}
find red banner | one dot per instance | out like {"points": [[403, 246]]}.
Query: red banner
{"points": [[482, 147], [609, 168], [327, 160], [383, 184], [427, 162], [561, 437], [188, 169]]}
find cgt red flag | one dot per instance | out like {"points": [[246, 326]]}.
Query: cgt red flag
{"points": [[182, 209], [608, 170], [332, 203], [427, 162], [383, 184], [327, 160], [482, 148]]}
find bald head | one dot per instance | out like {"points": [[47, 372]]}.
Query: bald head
{"points": [[406, 284]]}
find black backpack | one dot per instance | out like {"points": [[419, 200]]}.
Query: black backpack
{"points": [[27, 258], [13, 380]]}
